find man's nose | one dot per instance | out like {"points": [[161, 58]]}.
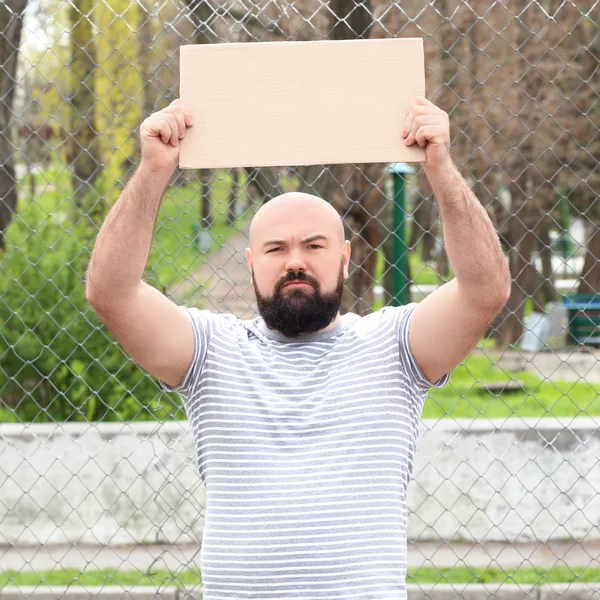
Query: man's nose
{"points": [[295, 262]]}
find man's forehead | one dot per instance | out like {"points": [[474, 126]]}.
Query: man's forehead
{"points": [[297, 217], [303, 239]]}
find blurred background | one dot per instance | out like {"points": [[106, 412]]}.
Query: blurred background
{"points": [[93, 454]]}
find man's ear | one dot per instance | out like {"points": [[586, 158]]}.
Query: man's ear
{"points": [[249, 258], [346, 258]]}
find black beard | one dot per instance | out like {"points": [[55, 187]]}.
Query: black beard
{"points": [[300, 311]]}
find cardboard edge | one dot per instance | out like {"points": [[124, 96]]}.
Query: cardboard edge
{"points": [[420, 155]]}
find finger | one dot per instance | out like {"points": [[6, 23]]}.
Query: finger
{"points": [[423, 135], [415, 111], [160, 128], [177, 112], [156, 126], [172, 121], [420, 121], [422, 101], [178, 105], [426, 134]]}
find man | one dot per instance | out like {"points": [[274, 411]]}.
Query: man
{"points": [[305, 422]]}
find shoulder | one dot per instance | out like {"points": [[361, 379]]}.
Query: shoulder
{"points": [[392, 318], [210, 323]]}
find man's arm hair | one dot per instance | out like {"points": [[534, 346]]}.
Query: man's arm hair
{"points": [[449, 323], [154, 331]]}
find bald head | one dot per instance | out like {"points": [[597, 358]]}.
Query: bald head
{"points": [[285, 214], [298, 260]]}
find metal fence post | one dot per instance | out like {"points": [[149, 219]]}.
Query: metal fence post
{"points": [[400, 254]]}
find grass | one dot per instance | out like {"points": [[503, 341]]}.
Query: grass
{"points": [[192, 577], [106, 577], [524, 575], [465, 397]]}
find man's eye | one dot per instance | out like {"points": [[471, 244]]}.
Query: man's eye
{"points": [[315, 246], [273, 249]]}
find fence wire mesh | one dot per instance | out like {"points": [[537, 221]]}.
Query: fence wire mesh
{"points": [[97, 472]]}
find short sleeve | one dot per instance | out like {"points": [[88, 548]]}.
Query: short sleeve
{"points": [[401, 317], [203, 325]]}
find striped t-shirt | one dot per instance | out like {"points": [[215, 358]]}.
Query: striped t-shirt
{"points": [[305, 446]]}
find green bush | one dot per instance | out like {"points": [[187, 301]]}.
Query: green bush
{"points": [[57, 360]]}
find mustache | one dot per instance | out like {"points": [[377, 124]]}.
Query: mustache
{"points": [[296, 276]]}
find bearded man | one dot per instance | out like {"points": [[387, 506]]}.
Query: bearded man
{"points": [[305, 421]]}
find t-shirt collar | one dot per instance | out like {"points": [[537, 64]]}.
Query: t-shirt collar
{"points": [[318, 336]]}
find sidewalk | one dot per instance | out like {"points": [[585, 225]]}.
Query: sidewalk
{"points": [[223, 284], [424, 554]]}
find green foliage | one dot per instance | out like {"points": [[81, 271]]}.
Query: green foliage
{"points": [[58, 361], [465, 396], [118, 86], [192, 577], [46, 67]]}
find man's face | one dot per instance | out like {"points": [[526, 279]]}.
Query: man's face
{"points": [[299, 262], [298, 305]]}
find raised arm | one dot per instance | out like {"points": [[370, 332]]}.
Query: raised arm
{"points": [[447, 324], [154, 331]]}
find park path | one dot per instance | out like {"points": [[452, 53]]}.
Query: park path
{"points": [[223, 284]]}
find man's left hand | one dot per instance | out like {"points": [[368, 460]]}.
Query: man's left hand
{"points": [[429, 126]]}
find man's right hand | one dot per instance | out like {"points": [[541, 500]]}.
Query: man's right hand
{"points": [[160, 134]]}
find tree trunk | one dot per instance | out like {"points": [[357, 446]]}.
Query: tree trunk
{"points": [[421, 235], [446, 99], [524, 274], [442, 264], [528, 198], [202, 14], [205, 212], [318, 180], [509, 328], [352, 20], [263, 183], [83, 147], [31, 182], [547, 283], [348, 20], [11, 26], [233, 196], [356, 189], [146, 40], [589, 279], [359, 200]]}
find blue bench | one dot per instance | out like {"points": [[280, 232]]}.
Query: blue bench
{"points": [[584, 318]]}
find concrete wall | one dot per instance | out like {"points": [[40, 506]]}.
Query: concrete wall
{"points": [[99, 484], [512, 480]]}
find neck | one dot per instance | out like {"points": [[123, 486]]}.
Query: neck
{"points": [[332, 324]]}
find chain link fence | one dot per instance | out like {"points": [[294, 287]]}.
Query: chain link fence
{"points": [[98, 484]]}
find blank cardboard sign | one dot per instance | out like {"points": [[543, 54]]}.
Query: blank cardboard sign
{"points": [[299, 103]]}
